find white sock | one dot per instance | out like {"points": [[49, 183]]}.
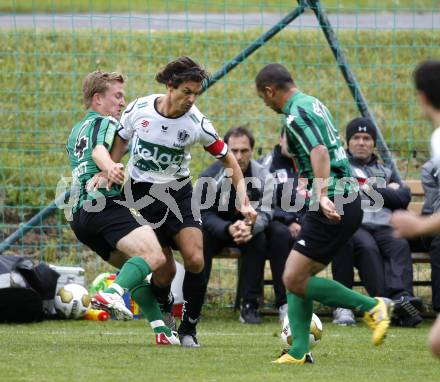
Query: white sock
{"points": [[119, 290], [155, 324]]}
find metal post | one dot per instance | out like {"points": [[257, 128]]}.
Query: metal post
{"points": [[352, 83], [33, 222], [231, 64]]}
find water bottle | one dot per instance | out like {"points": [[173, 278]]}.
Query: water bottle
{"points": [[97, 315]]}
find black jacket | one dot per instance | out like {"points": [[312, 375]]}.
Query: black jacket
{"points": [[217, 218], [284, 170]]}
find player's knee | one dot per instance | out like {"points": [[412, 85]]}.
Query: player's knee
{"points": [[192, 254], [195, 262], [156, 259], [165, 274], [163, 279], [152, 254], [171, 274], [294, 284], [149, 248], [287, 281]]}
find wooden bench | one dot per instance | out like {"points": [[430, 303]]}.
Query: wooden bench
{"points": [[415, 206], [234, 253], [417, 200]]}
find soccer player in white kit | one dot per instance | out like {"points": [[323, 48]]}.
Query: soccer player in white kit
{"points": [[427, 83], [162, 129]]}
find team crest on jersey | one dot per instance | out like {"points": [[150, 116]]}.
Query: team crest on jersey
{"points": [[80, 147], [145, 123], [182, 135]]}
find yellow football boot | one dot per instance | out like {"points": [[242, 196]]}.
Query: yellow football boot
{"points": [[286, 358], [378, 319]]}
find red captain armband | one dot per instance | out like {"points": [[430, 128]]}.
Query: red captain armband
{"points": [[219, 148]]}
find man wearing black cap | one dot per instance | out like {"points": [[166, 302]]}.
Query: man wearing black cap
{"points": [[384, 262]]}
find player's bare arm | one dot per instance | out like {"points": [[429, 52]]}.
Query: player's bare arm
{"points": [[105, 178], [114, 171], [320, 161], [409, 225], [246, 209], [119, 149]]}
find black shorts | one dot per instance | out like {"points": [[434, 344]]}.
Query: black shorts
{"points": [[160, 215], [102, 230], [320, 238]]}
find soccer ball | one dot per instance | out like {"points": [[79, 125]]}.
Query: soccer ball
{"points": [[315, 331], [72, 301]]}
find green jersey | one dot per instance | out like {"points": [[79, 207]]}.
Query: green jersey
{"points": [[309, 124], [94, 129]]}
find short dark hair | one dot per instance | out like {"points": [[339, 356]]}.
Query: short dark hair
{"points": [[276, 75], [181, 70], [427, 80], [240, 131]]}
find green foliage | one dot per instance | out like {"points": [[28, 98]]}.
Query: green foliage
{"points": [[124, 351], [202, 6]]}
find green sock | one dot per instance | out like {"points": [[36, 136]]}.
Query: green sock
{"points": [[132, 273], [144, 297], [300, 312], [332, 293]]}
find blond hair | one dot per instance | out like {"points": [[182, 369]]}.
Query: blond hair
{"points": [[98, 82]]}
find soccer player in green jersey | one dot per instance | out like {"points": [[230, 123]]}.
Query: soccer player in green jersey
{"points": [[98, 220], [316, 147]]}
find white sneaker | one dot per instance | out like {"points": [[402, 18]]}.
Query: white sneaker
{"points": [[113, 304], [343, 317], [282, 313], [163, 339], [189, 341]]}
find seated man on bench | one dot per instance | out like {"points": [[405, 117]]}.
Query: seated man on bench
{"points": [[289, 210], [224, 226], [384, 262]]}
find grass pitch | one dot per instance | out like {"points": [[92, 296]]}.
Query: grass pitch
{"points": [[125, 351]]}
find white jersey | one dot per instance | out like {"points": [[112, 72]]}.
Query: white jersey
{"points": [[160, 147]]}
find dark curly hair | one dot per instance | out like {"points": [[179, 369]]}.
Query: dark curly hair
{"points": [[181, 70]]}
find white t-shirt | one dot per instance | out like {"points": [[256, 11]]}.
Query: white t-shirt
{"points": [[160, 148], [435, 147]]}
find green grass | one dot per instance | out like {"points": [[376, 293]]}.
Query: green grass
{"points": [[113, 351], [201, 6]]}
